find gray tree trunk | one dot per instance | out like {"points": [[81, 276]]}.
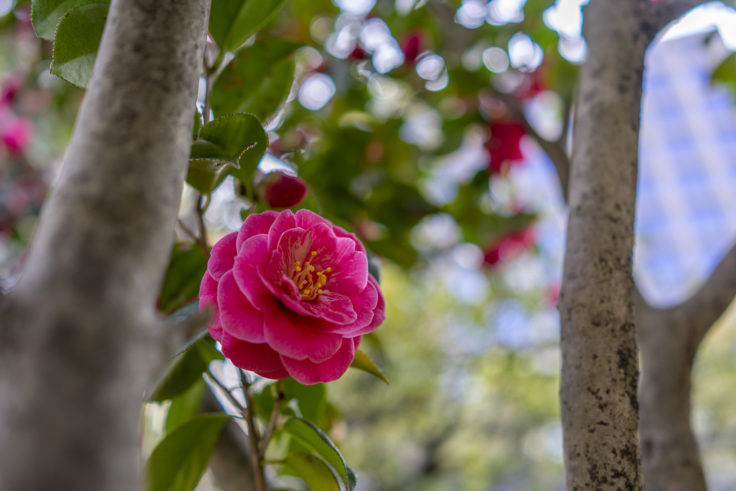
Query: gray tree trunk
{"points": [[599, 373], [599, 354], [80, 337]]}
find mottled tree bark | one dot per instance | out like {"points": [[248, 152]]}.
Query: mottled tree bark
{"points": [[80, 337], [669, 339], [599, 374], [599, 354]]}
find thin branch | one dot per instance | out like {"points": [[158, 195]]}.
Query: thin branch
{"points": [[228, 392], [662, 13], [554, 150], [260, 480], [203, 203], [272, 421], [709, 302], [187, 230]]}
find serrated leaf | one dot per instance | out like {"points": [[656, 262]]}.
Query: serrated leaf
{"points": [[363, 362], [257, 80], [46, 14], [185, 406], [183, 276], [311, 437], [76, 41], [236, 138], [315, 473], [205, 175], [232, 22], [186, 369], [179, 460]]}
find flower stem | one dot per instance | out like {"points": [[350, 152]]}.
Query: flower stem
{"points": [[272, 421], [255, 454]]}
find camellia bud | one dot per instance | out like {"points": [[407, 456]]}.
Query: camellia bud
{"points": [[280, 190]]}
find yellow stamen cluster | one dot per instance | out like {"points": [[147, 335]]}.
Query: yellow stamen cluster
{"points": [[304, 278]]}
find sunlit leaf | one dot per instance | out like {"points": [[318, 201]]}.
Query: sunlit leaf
{"points": [[364, 362], [311, 437], [311, 399], [257, 80], [180, 459], [76, 41], [183, 276], [46, 14], [315, 473], [185, 406], [232, 22], [237, 139], [186, 369], [205, 175]]}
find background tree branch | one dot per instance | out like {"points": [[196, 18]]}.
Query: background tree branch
{"points": [[80, 336]]}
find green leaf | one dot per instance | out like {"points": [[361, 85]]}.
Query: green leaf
{"points": [[364, 362], [310, 398], [205, 175], [180, 459], [45, 14], [311, 437], [374, 266], [183, 276], [185, 406], [257, 80], [232, 22], [315, 473], [186, 369], [236, 138], [725, 73], [76, 41], [197, 122]]}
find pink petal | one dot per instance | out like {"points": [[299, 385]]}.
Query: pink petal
{"points": [[253, 254], [344, 248], [274, 374], [329, 306], [215, 329], [379, 313], [258, 223], [306, 218], [239, 318], [207, 291], [351, 275], [342, 233], [255, 357], [222, 256], [292, 245], [322, 240], [365, 305], [308, 372], [285, 221], [208, 298], [291, 335]]}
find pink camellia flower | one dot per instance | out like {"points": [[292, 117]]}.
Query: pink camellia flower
{"points": [[508, 246], [16, 134], [292, 296], [279, 190], [412, 46], [503, 146]]}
